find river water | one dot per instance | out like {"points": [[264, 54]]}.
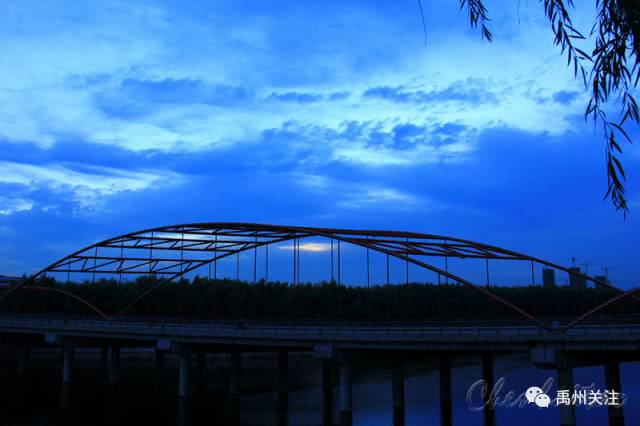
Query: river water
{"points": [[142, 397]]}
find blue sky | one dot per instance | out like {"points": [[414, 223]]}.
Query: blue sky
{"points": [[116, 117]]}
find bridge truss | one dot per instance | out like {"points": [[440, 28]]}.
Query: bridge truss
{"points": [[172, 251]]}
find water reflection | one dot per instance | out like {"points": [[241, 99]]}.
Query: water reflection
{"points": [[147, 392]]}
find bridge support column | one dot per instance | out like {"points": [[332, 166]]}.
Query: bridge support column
{"points": [[444, 367], [67, 364], [183, 373], [236, 370], [612, 380], [346, 394], [397, 390], [202, 369], [234, 385], [65, 403], [182, 412], [23, 358], [327, 392], [283, 386], [283, 380], [104, 357], [158, 360], [565, 381], [487, 376], [114, 364]]}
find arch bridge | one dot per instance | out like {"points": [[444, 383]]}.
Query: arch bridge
{"points": [[173, 251]]}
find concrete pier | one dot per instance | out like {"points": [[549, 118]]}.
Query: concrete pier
{"points": [[613, 382], [182, 412], [283, 379], [487, 376], [283, 386], [104, 359], [65, 403], [327, 393], [158, 360], [23, 359], [114, 364], [444, 367], [202, 369], [67, 364], [397, 391], [346, 394], [184, 370], [236, 372], [235, 375], [565, 382]]}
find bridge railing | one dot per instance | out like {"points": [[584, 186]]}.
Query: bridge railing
{"points": [[152, 329], [347, 322]]}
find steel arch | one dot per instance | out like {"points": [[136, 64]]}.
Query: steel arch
{"points": [[224, 239]]}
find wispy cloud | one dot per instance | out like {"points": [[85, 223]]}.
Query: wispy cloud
{"points": [[307, 97], [134, 97], [86, 185], [351, 195], [471, 90], [372, 196], [10, 206]]}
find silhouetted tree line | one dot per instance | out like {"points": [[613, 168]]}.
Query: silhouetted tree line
{"points": [[226, 298]]}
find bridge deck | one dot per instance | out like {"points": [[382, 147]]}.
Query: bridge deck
{"points": [[305, 335]]}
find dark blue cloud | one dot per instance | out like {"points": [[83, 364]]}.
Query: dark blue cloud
{"points": [[338, 96], [468, 91], [449, 130], [182, 91], [133, 98], [405, 136], [565, 97], [306, 98], [303, 98]]}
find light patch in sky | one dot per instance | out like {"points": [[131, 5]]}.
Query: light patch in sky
{"points": [[393, 199], [359, 154], [310, 247], [350, 195]]}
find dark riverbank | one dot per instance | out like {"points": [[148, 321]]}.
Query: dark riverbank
{"points": [[204, 298]]}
